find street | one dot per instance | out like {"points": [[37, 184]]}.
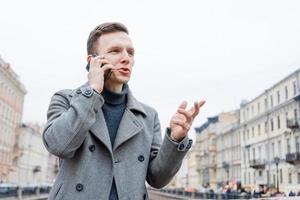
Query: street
{"points": [[153, 195]]}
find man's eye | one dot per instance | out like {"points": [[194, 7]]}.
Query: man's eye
{"points": [[131, 53], [114, 51]]}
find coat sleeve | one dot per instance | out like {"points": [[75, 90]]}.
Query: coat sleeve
{"points": [[68, 120], [166, 157]]}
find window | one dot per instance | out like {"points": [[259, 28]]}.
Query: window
{"points": [[248, 135], [278, 121], [278, 97], [245, 178], [252, 111], [272, 125], [295, 114], [290, 178], [259, 152], [274, 179], [266, 104], [297, 144], [258, 129], [273, 150], [252, 132], [253, 151], [247, 113], [280, 172], [271, 99], [279, 149], [286, 118], [258, 108], [288, 145], [249, 178], [286, 92], [298, 177], [248, 154], [294, 88], [266, 126], [259, 173], [254, 177]]}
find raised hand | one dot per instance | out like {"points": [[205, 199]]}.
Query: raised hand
{"points": [[182, 120]]}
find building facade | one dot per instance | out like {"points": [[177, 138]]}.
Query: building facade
{"points": [[12, 94], [206, 145], [33, 163], [229, 154], [270, 137]]}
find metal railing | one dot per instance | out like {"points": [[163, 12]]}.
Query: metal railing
{"points": [[173, 193]]}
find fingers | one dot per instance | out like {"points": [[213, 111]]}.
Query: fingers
{"points": [[99, 62], [183, 105], [186, 126], [195, 110], [187, 114]]}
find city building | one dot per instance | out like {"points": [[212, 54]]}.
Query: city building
{"points": [[33, 162], [270, 137], [229, 154], [206, 145], [12, 94]]}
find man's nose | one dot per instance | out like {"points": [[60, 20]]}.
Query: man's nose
{"points": [[125, 57]]}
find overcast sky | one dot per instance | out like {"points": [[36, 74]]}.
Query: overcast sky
{"points": [[221, 51]]}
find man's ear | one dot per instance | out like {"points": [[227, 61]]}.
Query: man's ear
{"points": [[88, 62]]}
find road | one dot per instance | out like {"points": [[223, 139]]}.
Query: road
{"points": [[157, 196]]}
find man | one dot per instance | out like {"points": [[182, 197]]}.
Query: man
{"points": [[108, 142]]}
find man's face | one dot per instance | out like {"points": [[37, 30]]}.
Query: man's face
{"points": [[118, 50]]}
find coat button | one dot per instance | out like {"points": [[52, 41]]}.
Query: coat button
{"points": [[78, 91], [92, 148], [189, 145], [88, 92], [79, 187], [141, 158], [181, 146]]}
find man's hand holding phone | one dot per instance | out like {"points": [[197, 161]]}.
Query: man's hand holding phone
{"points": [[98, 66]]}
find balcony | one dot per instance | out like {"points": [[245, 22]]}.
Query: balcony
{"points": [[292, 124], [293, 158], [257, 164]]}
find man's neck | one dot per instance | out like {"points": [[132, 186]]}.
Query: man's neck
{"points": [[117, 88]]}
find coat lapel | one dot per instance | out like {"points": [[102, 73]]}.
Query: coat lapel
{"points": [[99, 129], [129, 127]]}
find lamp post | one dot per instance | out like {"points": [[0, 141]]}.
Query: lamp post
{"points": [[277, 160]]}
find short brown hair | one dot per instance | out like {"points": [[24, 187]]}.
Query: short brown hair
{"points": [[109, 27]]}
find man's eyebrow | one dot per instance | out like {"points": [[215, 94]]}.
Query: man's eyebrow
{"points": [[117, 46]]}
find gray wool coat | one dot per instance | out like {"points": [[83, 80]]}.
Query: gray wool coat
{"points": [[76, 132]]}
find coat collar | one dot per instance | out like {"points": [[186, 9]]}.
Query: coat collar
{"points": [[128, 127], [132, 103]]}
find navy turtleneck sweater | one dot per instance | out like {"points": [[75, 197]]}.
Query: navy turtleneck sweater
{"points": [[113, 110]]}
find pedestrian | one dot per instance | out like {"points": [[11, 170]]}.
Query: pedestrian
{"points": [[108, 142], [292, 193]]}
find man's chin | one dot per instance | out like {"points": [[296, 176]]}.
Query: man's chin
{"points": [[123, 80]]}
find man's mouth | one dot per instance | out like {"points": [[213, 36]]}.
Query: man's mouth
{"points": [[124, 70]]}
